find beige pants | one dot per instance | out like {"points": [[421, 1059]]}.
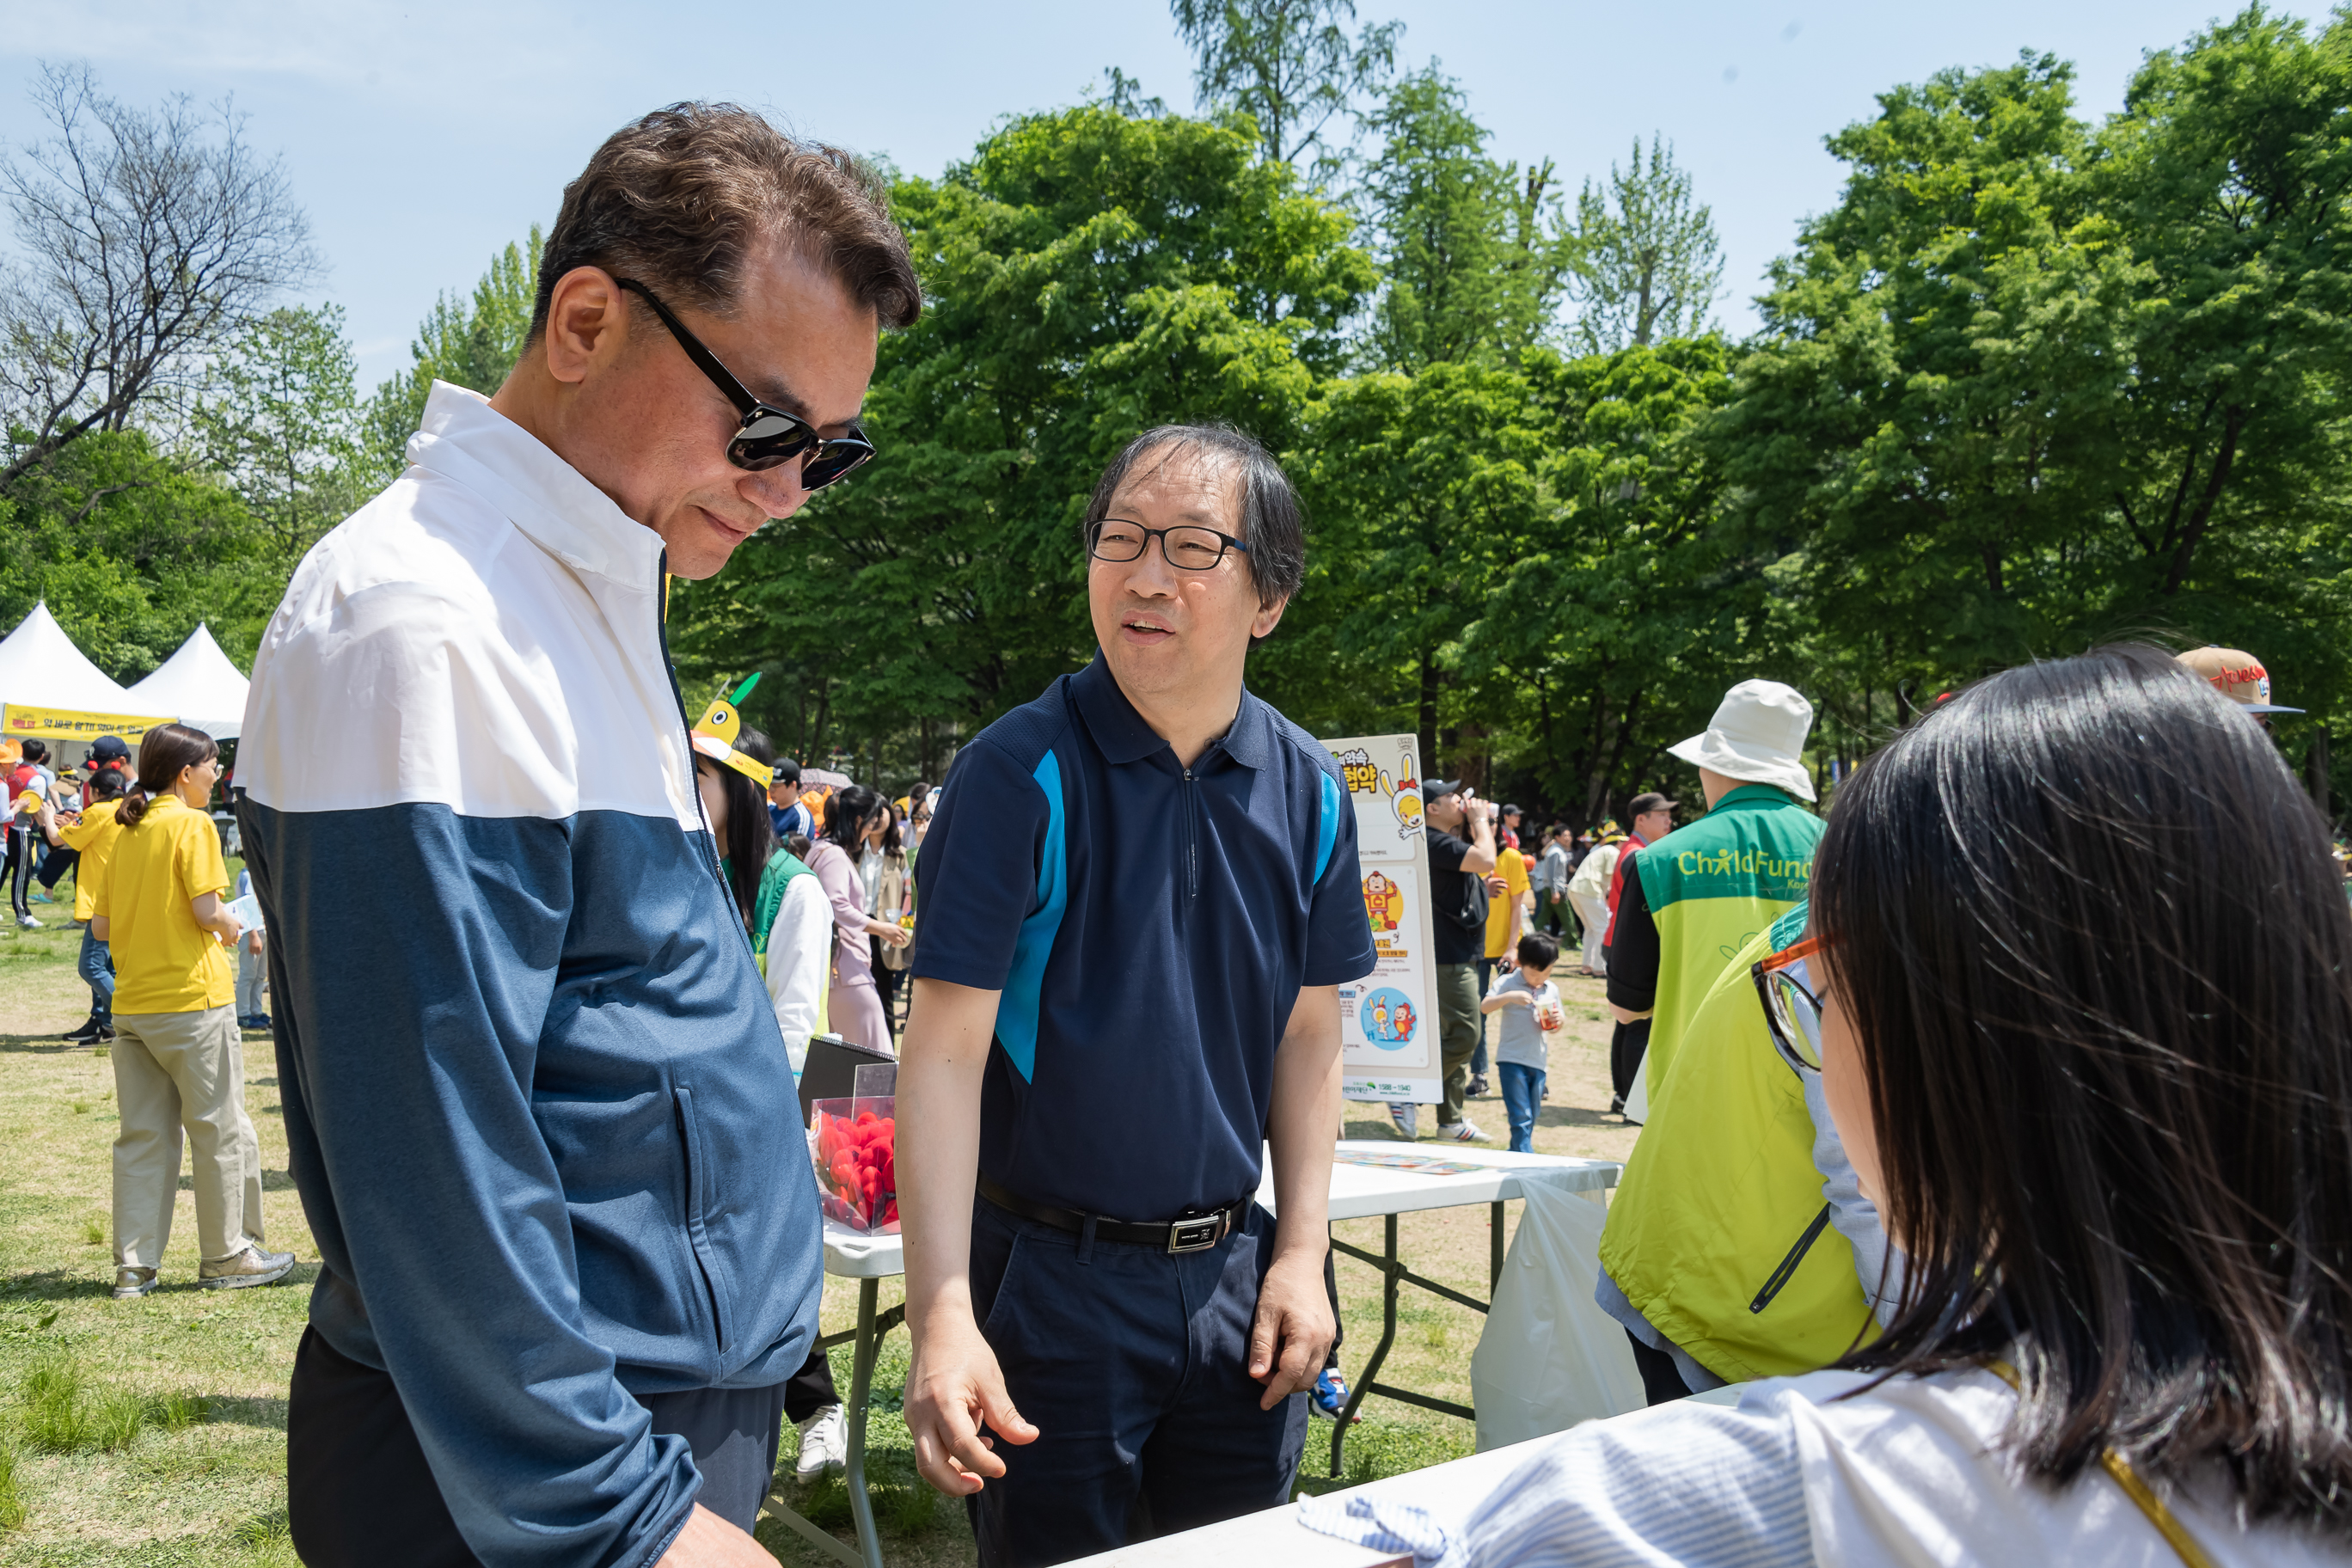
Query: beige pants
{"points": [[170, 1071]]}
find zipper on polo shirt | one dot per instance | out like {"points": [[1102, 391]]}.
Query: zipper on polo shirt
{"points": [[1192, 840]]}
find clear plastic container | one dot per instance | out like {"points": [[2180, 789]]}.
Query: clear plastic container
{"points": [[853, 1143]]}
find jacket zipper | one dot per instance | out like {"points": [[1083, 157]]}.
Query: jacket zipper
{"points": [[684, 719], [1788, 1269]]}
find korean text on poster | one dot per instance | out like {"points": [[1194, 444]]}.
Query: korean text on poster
{"points": [[1388, 1020]]}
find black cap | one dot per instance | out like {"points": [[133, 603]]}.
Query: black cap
{"points": [[108, 749], [1646, 804], [1513, 811], [788, 771], [1432, 788]]}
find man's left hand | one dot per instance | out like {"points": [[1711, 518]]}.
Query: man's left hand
{"points": [[1293, 1332], [1497, 887]]}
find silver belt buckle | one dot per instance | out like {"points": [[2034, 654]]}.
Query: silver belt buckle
{"points": [[1196, 1234]]}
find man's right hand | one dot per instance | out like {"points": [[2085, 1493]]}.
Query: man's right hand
{"points": [[710, 1541], [952, 1386]]}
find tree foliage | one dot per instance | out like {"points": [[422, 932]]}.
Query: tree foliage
{"points": [[1647, 265], [282, 425], [1087, 274], [1474, 255], [466, 341], [1289, 65]]}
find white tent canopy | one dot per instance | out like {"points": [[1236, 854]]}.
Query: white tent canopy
{"points": [[40, 666], [199, 684]]}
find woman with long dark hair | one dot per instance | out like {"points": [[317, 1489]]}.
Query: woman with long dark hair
{"points": [[2078, 983], [882, 869], [178, 1059], [854, 1004]]}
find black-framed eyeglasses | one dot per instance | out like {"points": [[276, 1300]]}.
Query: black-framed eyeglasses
{"points": [[769, 437], [1188, 547]]}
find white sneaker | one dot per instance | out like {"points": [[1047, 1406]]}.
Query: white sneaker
{"points": [[1404, 1115], [26, 922], [824, 1444], [1466, 1132]]}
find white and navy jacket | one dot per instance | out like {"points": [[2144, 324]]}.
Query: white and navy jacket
{"points": [[539, 1109]]}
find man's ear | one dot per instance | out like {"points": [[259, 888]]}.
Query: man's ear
{"points": [[587, 321], [1268, 617]]}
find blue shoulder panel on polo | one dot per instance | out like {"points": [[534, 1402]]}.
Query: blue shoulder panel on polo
{"points": [[1016, 1009]]}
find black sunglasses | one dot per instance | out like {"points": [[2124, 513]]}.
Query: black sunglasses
{"points": [[769, 437]]}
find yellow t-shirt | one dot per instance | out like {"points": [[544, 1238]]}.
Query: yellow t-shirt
{"points": [[94, 836], [163, 960], [1512, 867]]}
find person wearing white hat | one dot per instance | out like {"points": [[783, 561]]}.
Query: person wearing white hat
{"points": [[1699, 894], [1692, 899]]}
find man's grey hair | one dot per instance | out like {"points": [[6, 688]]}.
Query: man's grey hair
{"points": [[1273, 519]]}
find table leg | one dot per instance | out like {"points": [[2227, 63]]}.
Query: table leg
{"points": [[861, 1383], [1495, 1247], [1379, 1351]]}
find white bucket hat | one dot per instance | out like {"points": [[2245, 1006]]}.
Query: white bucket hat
{"points": [[1756, 736]]}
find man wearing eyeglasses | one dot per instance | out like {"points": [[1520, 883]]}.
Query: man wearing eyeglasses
{"points": [[1140, 898], [537, 1106]]}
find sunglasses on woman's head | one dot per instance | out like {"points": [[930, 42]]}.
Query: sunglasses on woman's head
{"points": [[769, 437], [1793, 1005]]}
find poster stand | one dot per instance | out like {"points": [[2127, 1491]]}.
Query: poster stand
{"points": [[1388, 1020]]}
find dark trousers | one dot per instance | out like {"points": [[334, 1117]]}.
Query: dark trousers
{"points": [[1662, 1379], [809, 1390], [888, 982], [56, 864], [1627, 1043], [1134, 1365], [1457, 1035], [360, 1495], [1485, 984], [18, 869]]}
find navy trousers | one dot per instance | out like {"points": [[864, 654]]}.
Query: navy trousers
{"points": [[1134, 1366], [359, 1493]]}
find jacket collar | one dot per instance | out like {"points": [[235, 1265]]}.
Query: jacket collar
{"points": [[1122, 736], [1755, 797], [463, 439]]}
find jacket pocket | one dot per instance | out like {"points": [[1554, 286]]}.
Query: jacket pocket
{"points": [[706, 1256]]}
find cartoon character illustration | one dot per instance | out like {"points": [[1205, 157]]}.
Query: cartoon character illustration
{"points": [[1383, 903], [1407, 801], [1380, 1017], [1404, 1021]]}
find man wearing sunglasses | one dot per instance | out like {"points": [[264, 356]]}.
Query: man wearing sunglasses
{"points": [[1140, 898], [541, 1122]]}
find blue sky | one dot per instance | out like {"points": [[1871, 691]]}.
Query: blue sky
{"points": [[422, 137]]}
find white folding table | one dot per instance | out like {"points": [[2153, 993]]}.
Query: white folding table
{"points": [[1358, 1191]]}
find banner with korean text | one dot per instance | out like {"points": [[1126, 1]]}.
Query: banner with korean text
{"points": [[63, 724], [1388, 1020]]}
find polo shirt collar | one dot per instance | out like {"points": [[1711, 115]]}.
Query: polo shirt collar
{"points": [[1122, 736]]}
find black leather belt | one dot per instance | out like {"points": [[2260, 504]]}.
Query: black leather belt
{"points": [[1186, 1232]]}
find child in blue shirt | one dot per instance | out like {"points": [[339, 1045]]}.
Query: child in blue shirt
{"points": [[1530, 1005]]}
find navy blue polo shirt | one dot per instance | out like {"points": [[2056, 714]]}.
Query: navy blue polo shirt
{"points": [[1148, 927]]}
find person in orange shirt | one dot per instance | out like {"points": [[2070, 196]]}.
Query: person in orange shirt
{"points": [[91, 838]]}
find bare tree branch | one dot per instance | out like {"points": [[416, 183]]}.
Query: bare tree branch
{"points": [[148, 237]]}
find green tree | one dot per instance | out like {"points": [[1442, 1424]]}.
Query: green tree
{"points": [[1474, 254], [1647, 264], [283, 425], [1088, 274], [1289, 65], [471, 342]]}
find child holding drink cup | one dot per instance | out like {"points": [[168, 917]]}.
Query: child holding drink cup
{"points": [[1530, 1003]]}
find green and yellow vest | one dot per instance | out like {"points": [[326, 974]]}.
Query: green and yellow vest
{"points": [[1718, 1234], [1712, 888]]}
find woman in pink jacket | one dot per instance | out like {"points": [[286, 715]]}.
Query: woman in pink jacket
{"points": [[854, 1006]]}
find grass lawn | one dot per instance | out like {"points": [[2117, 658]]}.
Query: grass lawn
{"points": [[153, 1432]]}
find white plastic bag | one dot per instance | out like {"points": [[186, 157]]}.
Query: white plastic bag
{"points": [[1550, 1357]]}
